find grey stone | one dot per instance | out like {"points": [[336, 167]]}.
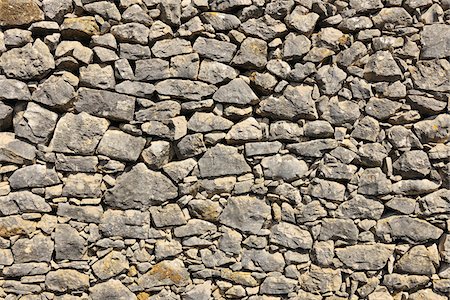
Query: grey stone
{"points": [[195, 227], [321, 280], [419, 260], [165, 273], [338, 229], [214, 50], [222, 160], [374, 182], [178, 170], [367, 129], [97, 76], [381, 66], [111, 265], [170, 12], [159, 111], [184, 89], [33, 176], [165, 249], [277, 285], [323, 252], [131, 33], [330, 79], [26, 269], [82, 185], [33, 61], [140, 187], [206, 122], [381, 108], [111, 289], [247, 130], [23, 202], [171, 47], [15, 151], [408, 229], [329, 190], [68, 243], [13, 89], [432, 75], [285, 167], [128, 224], [365, 5], [313, 148], [435, 41], [251, 55], [337, 171], [215, 72], [290, 236], [339, 113], [435, 203], [434, 130], [360, 207], [105, 9], [245, 213], [37, 249], [185, 66], [157, 154], [152, 69], [236, 91], [310, 212], [392, 17], [413, 164], [65, 280], [318, 129], [88, 214], [120, 145], [228, 5], [295, 46], [302, 21], [76, 51], [365, 257], [85, 132], [404, 282], [426, 105], [220, 21], [415, 187], [55, 92], [105, 104], [6, 116], [35, 123], [262, 148], [190, 146], [15, 225], [402, 138], [266, 28], [168, 215]]}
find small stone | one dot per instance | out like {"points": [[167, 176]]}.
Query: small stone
{"points": [[290, 236], [65, 280], [251, 55], [128, 224], [338, 229], [56, 9]]}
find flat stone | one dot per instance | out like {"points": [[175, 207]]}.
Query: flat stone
{"points": [[206, 122], [111, 265], [222, 160], [87, 214], [152, 69], [392, 16], [140, 187], [26, 269], [127, 224], [55, 92], [408, 229], [435, 130], [15, 225], [184, 89], [290, 236], [321, 280], [13, 89], [435, 41], [420, 260], [220, 21], [237, 91], [68, 243], [325, 189], [381, 66], [23, 202], [365, 257], [247, 130], [266, 28], [80, 27], [195, 227], [17, 13], [171, 47], [214, 50], [313, 148], [85, 130], [374, 182], [277, 285], [245, 213], [83, 185], [338, 229], [215, 72], [432, 75], [168, 215], [131, 33], [285, 167], [33, 176], [37, 249], [120, 145], [165, 273], [111, 289], [65, 280], [360, 207], [97, 76]]}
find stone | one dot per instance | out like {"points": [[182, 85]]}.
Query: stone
{"points": [[83, 185], [80, 27], [392, 17], [328, 190], [415, 187], [295, 46], [13, 13], [366, 129], [381, 66], [128, 224], [87, 214], [266, 28], [313, 148], [338, 229], [247, 130], [106, 104], [185, 66], [237, 91], [321, 280], [191, 145], [170, 12], [339, 113], [220, 21], [433, 130], [365, 257], [97, 76], [55, 92], [23, 202], [33, 61], [55, 9], [374, 182], [105, 9], [228, 5], [157, 154], [277, 285], [222, 160], [330, 79], [152, 69], [426, 294], [37, 249], [168, 215], [409, 229], [419, 260], [215, 72], [131, 33], [426, 105], [171, 47], [65, 280], [214, 50], [25, 269], [13, 89], [166, 249], [381, 108], [111, 289], [413, 164], [302, 21], [33, 176], [111, 265], [75, 50], [120, 145], [290, 236], [165, 273], [15, 225], [402, 282], [68, 243], [245, 213], [434, 203], [435, 41], [140, 187], [6, 116], [365, 5], [85, 130], [432, 75], [15, 151], [195, 227], [184, 89], [251, 55], [206, 122], [285, 167], [360, 207]]}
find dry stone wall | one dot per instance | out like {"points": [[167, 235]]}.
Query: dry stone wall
{"points": [[224, 149]]}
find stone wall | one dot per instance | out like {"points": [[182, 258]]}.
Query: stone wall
{"points": [[224, 149]]}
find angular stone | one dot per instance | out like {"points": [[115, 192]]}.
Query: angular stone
{"points": [[262, 148], [195, 227], [87, 214], [362, 6], [128, 224], [381, 66], [17, 13], [415, 187], [321, 280], [266, 28], [165, 273], [15, 151], [26, 269], [170, 12], [171, 47], [251, 55], [85, 132], [114, 106], [247, 130], [339, 113], [295, 46], [313, 148], [15, 225], [426, 294], [56, 9], [328, 190], [220, 21], [365, 257], [408, 229], [290, 236], [374, 182], [338, 229], [426, 105], [401, 282], [157, 154], [432, 75], [222, 160], [33, 61], [435, 41], [435, 130], [285, 167], [111, 265], [392, 17], [216, 72], [245, 213], [131, 33], [103, 8], [302, 21], [184, 89], [191, 145], [111, 289], [435, 203], [152, 69], [185, 66], [360, 207], [330, 79], [381, 108], [23, 202], [97, 76], [55, 92], [66, 280], [120, 145], [13, 89], [37, 249], [80, 27], [140, 187], [68, 243], [206, 122], [413, 164], [82, 185], [236, 91], [214, 50], [177, 170], [277, 285], [169, 215], [419, 260], [35, 123], [33, 176]]}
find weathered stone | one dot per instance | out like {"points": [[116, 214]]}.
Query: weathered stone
{"points": [[236, 91], [169, 215], [171, 47], [435, 41], [80, 27], [330, 79], [277, 285], [413, 164], [251, 55], [97, 76], [415, 187], [195, 227], [302, 21], [328, 190], [434, 130], [56, 9], [360, 207], [266, 28], [214, 50], [120, 145], [402, 282], [13, 89], [65, 280], [313, 148], [216, 72], [285, 167], [381, 108], [164, 273], [33, 176], [85, 132], [220, 21], [407, 229], [365, 257], [419, 260], [17, 13], [127, 224], [245, 213], [15, 151], [114, 106], [381, 66], [15, 225], [290, 236], [88, 214], [321, 280], [68, 243], [38, 249], [432, 75], [111, 265], [111, 289], [82, 185], [6, 257], [222, 160], [339, 113], [391, 17], [184, 89], [295, 46], [206, 122], [55, 92], [23, 202], [374, 182], [338, 229], [105, 9], [26, 269]]}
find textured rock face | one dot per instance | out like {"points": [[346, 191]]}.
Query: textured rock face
{"points": [[224, 149]]}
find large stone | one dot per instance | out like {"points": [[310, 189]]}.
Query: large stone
{"points": [[325, 189], [321, 280], [37, 249], [360, 207], [80, 27], [23, 202], [420, 260], [111, 289], [139, 188], [131, 33], [392, 16], [266, 28], [413, 164], [106, 104], [85, 132], [13, 89], [68, 243], [33, 61], [277, 285], [251, 55], [432, 75], [338, 229], [206, 122], [56, 9], [374, 182], [120, 145], [111, 265], [435, 130], [214, 50], [56, 92], [169, 215], [365, 257], [245, 213], [222, 160], [97, 76], [87, 214], [171, 47], [33, 176], [330, 79], [290, 236], [128, 224], [66, 280], [435, 203], [15, 225], [215, 72], [167, 272], [381, 66], [19, 12], [82, 185], [285, 167], [408, 229], [236, 91]]}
